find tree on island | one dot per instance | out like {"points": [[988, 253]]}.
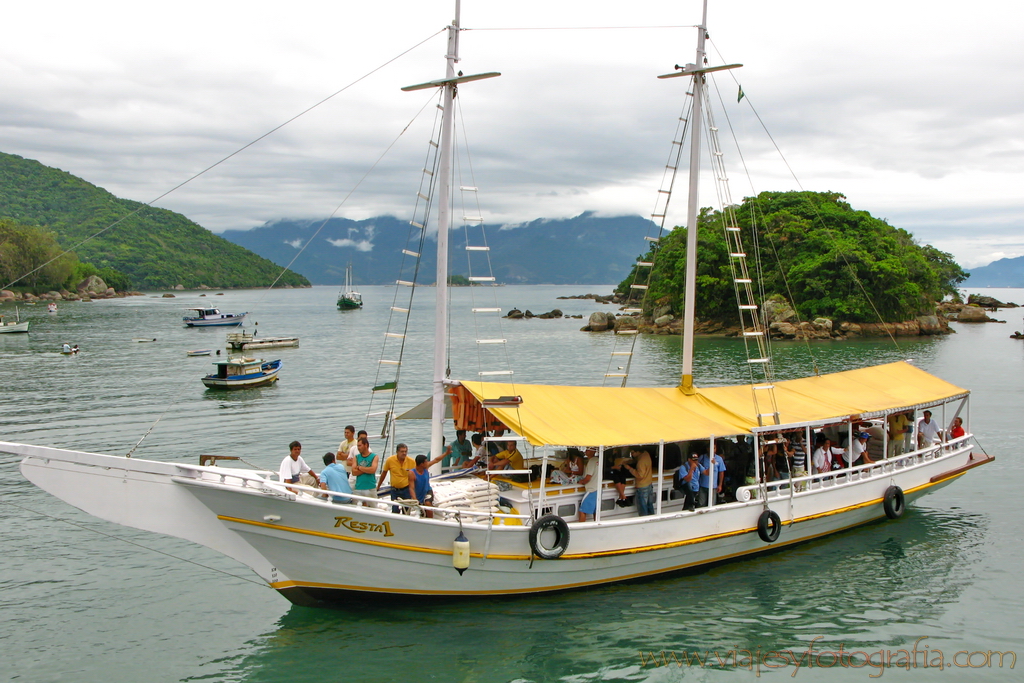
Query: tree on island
{"points": [[814, 251]]}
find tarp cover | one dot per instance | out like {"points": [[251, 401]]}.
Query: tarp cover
{"points": [[615, 416]]}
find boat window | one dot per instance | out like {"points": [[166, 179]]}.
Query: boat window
{"points": [[567, 510], [607, 504]]}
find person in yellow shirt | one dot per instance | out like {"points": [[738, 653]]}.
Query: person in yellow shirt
{"points": [[508, 459], [398, 466]]}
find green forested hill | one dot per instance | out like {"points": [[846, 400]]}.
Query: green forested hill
{"points": [[816, 252], [156, 248]]}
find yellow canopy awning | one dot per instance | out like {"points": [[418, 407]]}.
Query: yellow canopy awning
{"points": [[614, 416]]}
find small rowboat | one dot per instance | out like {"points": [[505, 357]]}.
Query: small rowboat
{"points": [[143, 340], [199, 352]]}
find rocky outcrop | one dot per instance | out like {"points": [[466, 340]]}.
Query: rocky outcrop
{"points": [[92, 286], [599, 322], [988, 302]]}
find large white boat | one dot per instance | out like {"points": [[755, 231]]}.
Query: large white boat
{"points": [[242, 373], [311, 549]]}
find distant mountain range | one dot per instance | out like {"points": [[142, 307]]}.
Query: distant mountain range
{"points": [[1006, 272], [585, 250], [155, 248]]}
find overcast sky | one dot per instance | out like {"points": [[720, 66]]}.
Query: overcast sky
{"points": [[914, 110]]}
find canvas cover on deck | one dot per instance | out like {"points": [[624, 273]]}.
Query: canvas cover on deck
{"points": [[614, 416]]}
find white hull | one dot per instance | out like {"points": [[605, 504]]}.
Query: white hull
{"points": [[311, 549], [13, 327]]}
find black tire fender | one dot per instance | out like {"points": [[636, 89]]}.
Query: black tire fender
{"points": [[893, 502], [561, 530], [769, 526]]}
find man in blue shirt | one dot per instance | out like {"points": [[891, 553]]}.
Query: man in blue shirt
{"points": [[462, 452], [334, 478], [707, 476]]}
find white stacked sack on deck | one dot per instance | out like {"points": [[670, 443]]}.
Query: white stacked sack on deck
{"points": [[468, 495]]}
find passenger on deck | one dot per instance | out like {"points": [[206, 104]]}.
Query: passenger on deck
{"points": [[857, 453], [420, 476], [691, 471], [345, 447], [398, 466], [717, 475], [364, 466], [822, 457], [591, 485], [900, 426], [508, 459], [294, 469], [928, 431], [571, 471], [462, 452], [333, 477], [643, 475], [619, 474], [957, 429]]}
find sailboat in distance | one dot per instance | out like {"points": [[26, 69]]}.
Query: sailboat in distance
{"points": [[518, 531], [348, 298]]}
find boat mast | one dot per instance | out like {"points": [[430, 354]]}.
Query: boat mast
{"points": [[692, 207], [443, 220]]}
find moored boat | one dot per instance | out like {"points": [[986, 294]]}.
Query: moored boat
{"points": [[199, 352], [243, 373], [243, 341], [16, 326], [348, 298], [311, 549], [212, 317]]}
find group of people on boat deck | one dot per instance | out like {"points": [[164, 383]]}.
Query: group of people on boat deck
{"points": [[701, 477]]}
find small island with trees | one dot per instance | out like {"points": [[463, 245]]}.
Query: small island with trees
{"points": [[827, 271]]}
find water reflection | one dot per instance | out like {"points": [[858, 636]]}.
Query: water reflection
{"points": [[868, 588]]}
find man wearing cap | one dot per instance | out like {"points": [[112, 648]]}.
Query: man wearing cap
{"points": [[857, 453]]}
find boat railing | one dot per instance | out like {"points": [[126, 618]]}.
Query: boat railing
{"points": [[846, 476], [261, 482]]}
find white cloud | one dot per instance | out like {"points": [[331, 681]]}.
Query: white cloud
{"points": [[295, 244], [893, 110], [361, 245]]}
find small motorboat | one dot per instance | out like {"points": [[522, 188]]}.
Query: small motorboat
{"points": [[16, 326], [143, 340], [68, 350], [199, 352], [243, 373], [211, 317], [51, 307]]}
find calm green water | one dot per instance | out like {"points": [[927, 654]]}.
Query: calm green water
{"points": [[83, 600]]}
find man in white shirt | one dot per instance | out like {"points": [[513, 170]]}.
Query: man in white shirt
{"points": [[858, 450], [928, 430], [294, 469]]}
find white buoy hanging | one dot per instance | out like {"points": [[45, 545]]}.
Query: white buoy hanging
{"points": [[460, 550]]}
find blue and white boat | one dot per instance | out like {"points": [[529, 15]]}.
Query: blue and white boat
{"points": [[243, 373], [210, 317]]}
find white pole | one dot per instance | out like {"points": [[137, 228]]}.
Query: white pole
{"points": [[443, 219], [661, 474], [600, 483], [692, 207]]}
